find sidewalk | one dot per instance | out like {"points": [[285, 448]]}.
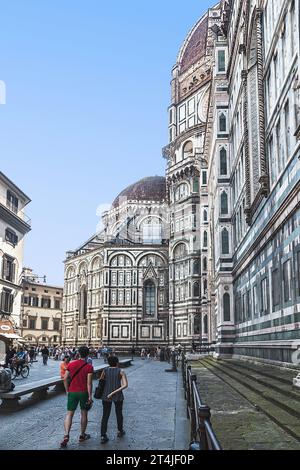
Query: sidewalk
{"points": [[154, 417]]}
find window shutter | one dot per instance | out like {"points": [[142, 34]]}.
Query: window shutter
{"points": [[11, 303], [5, 268], [2, 301], [13, 272]]}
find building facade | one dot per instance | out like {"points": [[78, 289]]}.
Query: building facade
{"points": [[116, 284], [14, 225], [254, 179], [230, 256], [41, 312]]}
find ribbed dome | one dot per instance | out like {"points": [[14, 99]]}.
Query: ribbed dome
{"points": [[152, 188], [195, 45]]}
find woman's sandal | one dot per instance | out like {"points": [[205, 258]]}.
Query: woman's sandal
{"points": [[65, 441], [84, 437]]}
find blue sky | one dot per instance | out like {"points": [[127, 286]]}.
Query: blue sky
{"points": [[86, 112]]}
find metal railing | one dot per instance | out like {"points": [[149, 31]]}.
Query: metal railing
{"points": [[12, 208], [202, 434]]}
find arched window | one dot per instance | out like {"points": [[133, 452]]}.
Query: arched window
{"points": [[205, 325], [187, 149], [222, 123], [224, 203], [83, 303], [150, 298], [223, 162], [205, 239], [225, 242], [196, 289], [205, 217], [205, 264], [226, 307]]}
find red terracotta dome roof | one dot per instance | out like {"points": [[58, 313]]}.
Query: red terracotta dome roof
{"points": [[195, 46], [152, 188]]}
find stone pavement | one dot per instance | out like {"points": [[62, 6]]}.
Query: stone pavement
{"points": [[154, 417]]}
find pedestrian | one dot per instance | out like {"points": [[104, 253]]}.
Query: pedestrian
{"points": [[115, 382], [64, 366], [79, 387], [45, 355], [31, 354], [10, 355]]}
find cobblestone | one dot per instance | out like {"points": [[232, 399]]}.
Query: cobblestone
{"points": [[154, 416]]}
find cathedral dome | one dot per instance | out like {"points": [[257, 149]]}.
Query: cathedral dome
{"points": [[194, 47], [152, 188]]}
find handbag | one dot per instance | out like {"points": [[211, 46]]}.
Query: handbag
{"points": [[100, 389]]}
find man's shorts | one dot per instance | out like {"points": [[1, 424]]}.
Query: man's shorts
{"points": [[77, 397]]}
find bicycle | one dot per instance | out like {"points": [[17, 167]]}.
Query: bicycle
{"points": [[19, 370]]}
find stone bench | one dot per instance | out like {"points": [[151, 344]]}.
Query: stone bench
{"points": [[39, 388], [296, 381]]}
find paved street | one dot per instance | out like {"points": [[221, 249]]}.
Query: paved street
{"points": [[154, 412]]}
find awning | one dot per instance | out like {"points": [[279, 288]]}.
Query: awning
{"points": [[11, 336]]}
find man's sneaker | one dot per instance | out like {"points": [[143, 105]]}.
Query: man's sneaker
{"points": [[121, 433], [104, 439]]}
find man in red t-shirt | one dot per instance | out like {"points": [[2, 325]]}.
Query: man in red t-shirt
{"points": [[78, 384]]}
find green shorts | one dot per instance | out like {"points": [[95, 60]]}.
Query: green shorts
{"points": [[77, 397]]}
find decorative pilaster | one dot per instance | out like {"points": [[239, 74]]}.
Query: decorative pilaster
{"points": [[246, 146], [264, 176]]}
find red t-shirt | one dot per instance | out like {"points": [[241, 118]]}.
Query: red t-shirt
{"points": [[79, 383]]}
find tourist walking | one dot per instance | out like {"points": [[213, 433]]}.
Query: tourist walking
{"points": [[115, 382], [79, 386], [45, 355], [64, 366], [31, 354]]}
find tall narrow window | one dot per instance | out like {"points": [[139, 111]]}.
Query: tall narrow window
{"points": [[196, 289], [12, 202], [204, 178], [225, 242], [205, 215], [222, 123], [223, 162], [226, 307], [264, 296], [287, 130], [221, 61], [196, 267], [205, 325], [287, 280], [205, 239], [205, 264], [224, 203], [150, 301], [275, 288]]}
